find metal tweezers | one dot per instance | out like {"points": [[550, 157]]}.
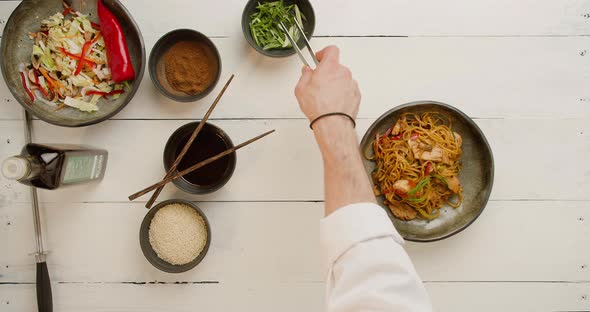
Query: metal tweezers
{"points": [[296, 47]]}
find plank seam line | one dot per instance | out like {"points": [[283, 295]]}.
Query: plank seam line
{"points": [[431, 36], [532, 118], [512, 282], [454, 36], [310, 282], [128, 283], [288, 201]]}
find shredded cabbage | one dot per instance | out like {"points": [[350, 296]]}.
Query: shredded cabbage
{"points": [[37, 51], [54, 20], [80, 104], [80, 81], [56, 57]]}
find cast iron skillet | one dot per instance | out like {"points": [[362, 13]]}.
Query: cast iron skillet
{"points": [[16, 48], [477, 175]]}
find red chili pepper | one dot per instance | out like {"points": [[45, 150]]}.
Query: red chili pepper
{"points": [[68, 9], [85, 48], [77, 57], [94, 92], [387, 133], [96, 37], [116, 92], [38, 84], [414, 136], [398, 137], [22, 77], [114, 39], [400, 194], [428, 169], [43, 91], [95, 25]]}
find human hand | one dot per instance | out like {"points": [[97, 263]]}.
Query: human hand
{"points": [[329, 88]]}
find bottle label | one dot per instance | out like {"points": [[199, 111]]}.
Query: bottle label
{"points": [[83, 168]]}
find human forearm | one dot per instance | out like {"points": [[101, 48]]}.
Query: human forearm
{"points": [[345, 179]]}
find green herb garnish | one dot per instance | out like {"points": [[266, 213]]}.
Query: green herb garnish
{"points": [[416, 200], [419, 186], [443, 180], [265, 28]]}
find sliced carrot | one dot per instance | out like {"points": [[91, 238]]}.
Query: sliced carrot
{"points": [[53, 84]]}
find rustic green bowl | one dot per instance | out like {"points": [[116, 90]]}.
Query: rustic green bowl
{"points": [[16, 48], [477, 175]]}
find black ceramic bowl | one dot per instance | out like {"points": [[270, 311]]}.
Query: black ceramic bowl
{"points": [[476, 176], [308, 26], [175, 145], [16, 48], [148, 251], [156, 65]]}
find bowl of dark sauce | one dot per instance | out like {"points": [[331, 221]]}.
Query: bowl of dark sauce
{"points": [[211, 141], [180, 63]]}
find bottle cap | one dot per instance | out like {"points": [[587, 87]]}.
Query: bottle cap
{"points": [[15, 168]]}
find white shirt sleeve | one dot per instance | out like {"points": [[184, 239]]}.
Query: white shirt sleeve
{"points": [[368, 269]]}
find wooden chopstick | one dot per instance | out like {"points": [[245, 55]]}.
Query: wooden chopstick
{"points": [[188, 144], [196, 166]]}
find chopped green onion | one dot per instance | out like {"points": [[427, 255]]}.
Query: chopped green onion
{"points": [[419, 186], [443, 180], [265, 28]]}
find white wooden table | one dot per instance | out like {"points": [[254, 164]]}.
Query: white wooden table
{"points": [[521, 69]]}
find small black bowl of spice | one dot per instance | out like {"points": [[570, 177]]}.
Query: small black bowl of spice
{"points": [[184, 65]]}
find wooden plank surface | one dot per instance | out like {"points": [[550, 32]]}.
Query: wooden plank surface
{"points": [[520, 68], [287, 164], [485, 77], [277, 242], [376, 18], [295, 297], [390, 18]]}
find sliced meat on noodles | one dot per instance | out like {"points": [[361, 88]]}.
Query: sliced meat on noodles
{"points": [[403, 211]]}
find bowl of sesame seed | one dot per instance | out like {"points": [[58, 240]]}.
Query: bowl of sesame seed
{"points": [[175, 236]]}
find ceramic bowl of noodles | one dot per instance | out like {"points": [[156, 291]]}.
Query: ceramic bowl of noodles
{"points": [[431, 167]]}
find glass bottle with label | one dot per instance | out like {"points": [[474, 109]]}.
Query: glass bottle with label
{"points": [[54, 165]]}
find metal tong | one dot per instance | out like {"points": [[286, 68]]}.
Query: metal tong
{"points": [[44, 297], [296, 47]]}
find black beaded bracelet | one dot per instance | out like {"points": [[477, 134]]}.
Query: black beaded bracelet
{"points": [[332, 114]]}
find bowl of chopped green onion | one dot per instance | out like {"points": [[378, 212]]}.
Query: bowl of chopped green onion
{"points": [[260, 24]]}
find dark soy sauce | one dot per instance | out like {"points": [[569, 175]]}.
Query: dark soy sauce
{"points": [[206, 145], [50, 166]]}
